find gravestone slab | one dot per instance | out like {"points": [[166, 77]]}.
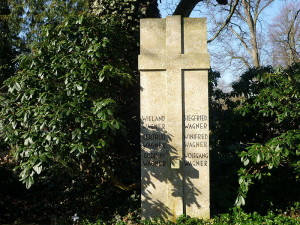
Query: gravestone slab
{"points": [[173, 64]]}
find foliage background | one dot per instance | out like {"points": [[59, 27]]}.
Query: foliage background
{"points": [[70, 116]]}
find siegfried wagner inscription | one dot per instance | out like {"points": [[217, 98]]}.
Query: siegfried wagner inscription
{"points": [[173, 64]]}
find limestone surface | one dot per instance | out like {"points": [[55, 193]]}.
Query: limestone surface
{"points": [[173, 64]]}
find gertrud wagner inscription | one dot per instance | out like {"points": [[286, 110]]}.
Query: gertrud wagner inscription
{"points": [[173, 64]]}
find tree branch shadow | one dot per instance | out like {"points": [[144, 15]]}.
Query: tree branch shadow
{"points": [[159, 180]]}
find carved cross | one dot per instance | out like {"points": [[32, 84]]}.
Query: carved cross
{"points": [[174, 59]]}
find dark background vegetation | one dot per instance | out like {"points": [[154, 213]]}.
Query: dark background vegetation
{"points": [[255, 135]]}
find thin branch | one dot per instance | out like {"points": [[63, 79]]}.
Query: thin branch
{"points": [[241, 40], [241, 15], [259, 12], [240, 29], [232, 10], [243, 60], [256, 7]]}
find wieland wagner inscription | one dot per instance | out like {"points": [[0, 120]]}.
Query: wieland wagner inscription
{"points": [[173, 64]]}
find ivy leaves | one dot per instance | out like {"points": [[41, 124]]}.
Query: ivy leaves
{"points": [[62, 105]]}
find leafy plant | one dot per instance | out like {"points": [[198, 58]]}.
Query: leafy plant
{"points": [[277, 105], [62, 105], [236, 216]]}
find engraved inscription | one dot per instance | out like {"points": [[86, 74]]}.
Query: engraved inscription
{"points": [[154, 141], [196, 139]]}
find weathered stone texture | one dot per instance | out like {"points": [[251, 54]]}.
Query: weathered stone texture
{"points": [[173, 63]]}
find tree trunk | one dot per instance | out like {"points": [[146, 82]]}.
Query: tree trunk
{"points": [[252, 27]]}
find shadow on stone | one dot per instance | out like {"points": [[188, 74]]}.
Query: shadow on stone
{"points": [[160, 179]]}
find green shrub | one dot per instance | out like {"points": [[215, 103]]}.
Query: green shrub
{"points": [[62, 107], [236, 217]]}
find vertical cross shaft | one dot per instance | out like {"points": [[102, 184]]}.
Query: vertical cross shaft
{"points": [[174, 107], [174, 87]]}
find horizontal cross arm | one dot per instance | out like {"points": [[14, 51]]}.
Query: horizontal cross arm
{"points": [[151, 62], [197, 61], [180, 61]]}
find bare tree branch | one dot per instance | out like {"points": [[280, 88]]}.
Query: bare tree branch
{"points": [[243, 60], [257, 6], [241, 16], [259, 12], [284, 36], [185, 7], [232, 10], [241, 40], [293, 50]]}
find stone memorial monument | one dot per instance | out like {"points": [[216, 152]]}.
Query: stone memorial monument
{"points": [[173, 64]]}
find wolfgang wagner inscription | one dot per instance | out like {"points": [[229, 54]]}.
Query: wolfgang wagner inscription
{"points": [[173, 64]]}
